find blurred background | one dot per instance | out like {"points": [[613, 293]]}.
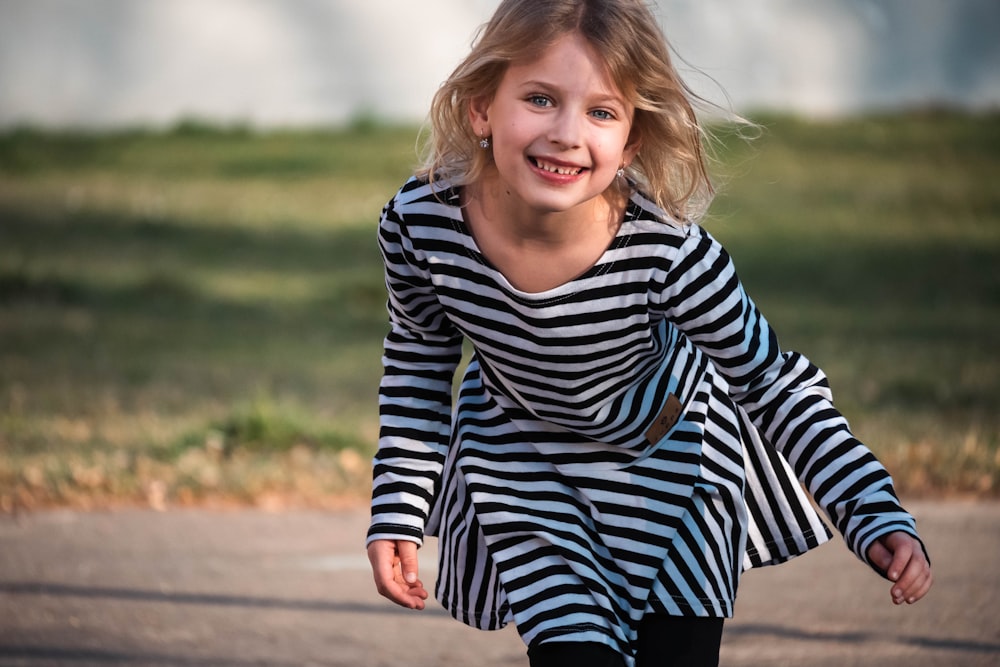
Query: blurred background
{"points": [[104, 63], [191, 301]]}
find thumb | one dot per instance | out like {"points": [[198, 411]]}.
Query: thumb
{"points": [[879, 556], [408, 560]]}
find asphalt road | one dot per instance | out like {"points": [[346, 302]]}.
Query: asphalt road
{"points": [[236, 588]]}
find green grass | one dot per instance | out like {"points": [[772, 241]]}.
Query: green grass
{"points": [[198, 314], [873, 245], [162, 291]]}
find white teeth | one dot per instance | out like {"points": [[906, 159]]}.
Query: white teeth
{"points": [[563, 171]]}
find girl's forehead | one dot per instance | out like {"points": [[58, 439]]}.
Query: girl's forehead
{"points": [[567, 46], [568, 57]]}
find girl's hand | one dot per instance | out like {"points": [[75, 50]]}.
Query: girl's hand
{"points": [[902, 558], [394, 564]]}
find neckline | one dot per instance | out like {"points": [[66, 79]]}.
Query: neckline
{"points": [[602, 265]]}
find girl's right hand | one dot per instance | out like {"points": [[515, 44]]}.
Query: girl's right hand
{"points": [[394, 564]]}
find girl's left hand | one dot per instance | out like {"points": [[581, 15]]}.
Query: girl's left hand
{"points": [[902, 558], [394, 565]]}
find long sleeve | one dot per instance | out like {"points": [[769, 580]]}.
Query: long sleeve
{"points": [[421, 352], [787, 398]]}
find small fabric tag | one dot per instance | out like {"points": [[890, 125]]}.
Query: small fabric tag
{"points": [[665, 420]]}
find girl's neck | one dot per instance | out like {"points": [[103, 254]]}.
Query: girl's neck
{"points": [[537, 252], [491, 205]]}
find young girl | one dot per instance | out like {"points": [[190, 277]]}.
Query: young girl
{"points": [[627, 434]]}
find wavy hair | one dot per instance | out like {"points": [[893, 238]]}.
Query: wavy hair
{"points": [[670, 168]]}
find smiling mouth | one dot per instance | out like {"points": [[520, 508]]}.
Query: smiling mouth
{"points": [[561, 170]]}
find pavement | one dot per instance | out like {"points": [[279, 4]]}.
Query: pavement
{"points": [[250, 587]]}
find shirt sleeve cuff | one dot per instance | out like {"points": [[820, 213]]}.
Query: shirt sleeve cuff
{"points": [[394, 531]]}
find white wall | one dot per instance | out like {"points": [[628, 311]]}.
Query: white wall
{"points": [[102, 63]]}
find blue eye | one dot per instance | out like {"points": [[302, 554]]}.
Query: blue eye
{"points": [[602, 114], [539, 100]]}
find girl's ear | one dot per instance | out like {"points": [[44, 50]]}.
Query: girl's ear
{"points": [[632, 147], [631, 150], [479, 116]]}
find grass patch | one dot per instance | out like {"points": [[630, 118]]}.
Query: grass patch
{"points": [[197, 315], [873, 246]]}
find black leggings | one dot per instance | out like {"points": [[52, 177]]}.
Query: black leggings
{"points": [[664, 641]]}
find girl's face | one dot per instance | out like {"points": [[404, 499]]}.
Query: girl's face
{"points": [[560, 129]]}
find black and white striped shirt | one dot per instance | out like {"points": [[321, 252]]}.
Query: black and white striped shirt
{"points": [[558, 500]]}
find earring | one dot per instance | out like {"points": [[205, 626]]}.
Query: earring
{"points": [[484, 143], [621, 172]]}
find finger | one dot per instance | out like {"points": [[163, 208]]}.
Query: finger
{"points": [[385, 565], [911, 572], [408, 561], [901, 546], [381, 555], [923, 589], [915, 581], [412, 594], [918, 588], [879, 556], [914, 592], [418, 593]]}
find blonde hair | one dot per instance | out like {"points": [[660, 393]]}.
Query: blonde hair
{"points": [[670, 167]]}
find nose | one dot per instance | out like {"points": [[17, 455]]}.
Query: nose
{"points": [[566, 130]]}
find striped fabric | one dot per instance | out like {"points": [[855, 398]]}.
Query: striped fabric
{"points": [[552, 507]]}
